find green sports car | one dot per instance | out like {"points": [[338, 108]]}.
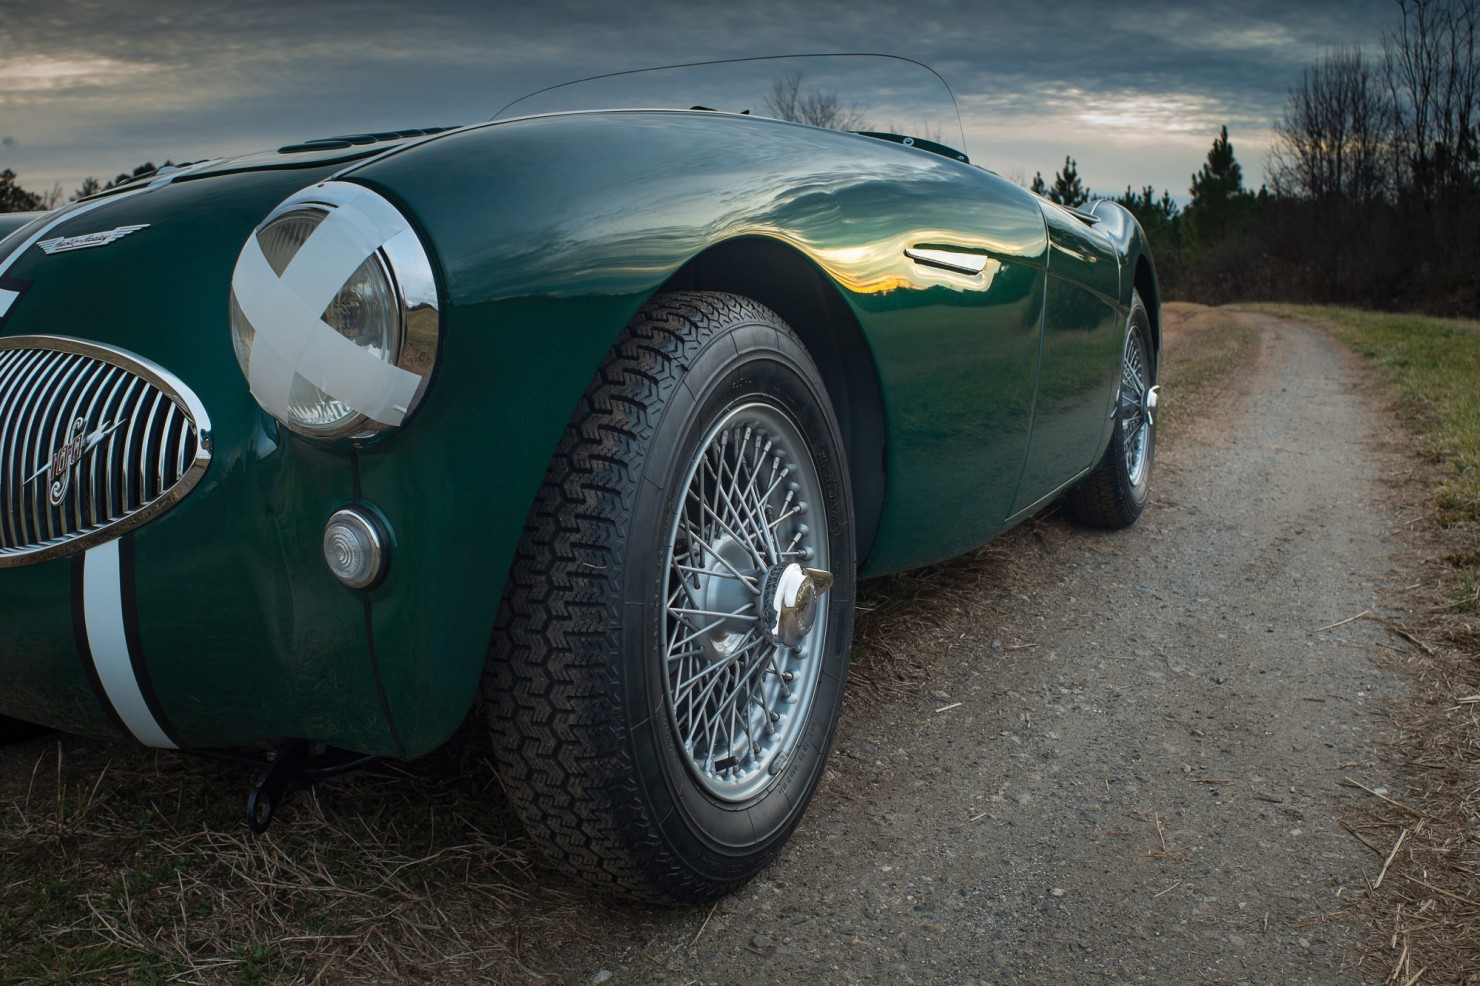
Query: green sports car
{"points": [[589, 417]]}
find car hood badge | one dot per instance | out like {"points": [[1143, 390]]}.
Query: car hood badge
{"points": [[58, 469], [62, 244]]}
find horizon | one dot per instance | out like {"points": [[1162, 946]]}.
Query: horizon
{"points": [[94, 90]]}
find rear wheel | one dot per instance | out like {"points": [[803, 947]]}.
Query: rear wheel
{"points": [[1116, 492], [671, 647]]}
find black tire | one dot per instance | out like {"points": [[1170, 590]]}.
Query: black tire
{"points": [[1114, 495], [594, 669]]}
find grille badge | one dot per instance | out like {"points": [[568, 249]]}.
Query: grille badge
{"points": [[58, 469]]}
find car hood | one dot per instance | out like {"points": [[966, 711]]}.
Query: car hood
{"points": [[319, 152]]}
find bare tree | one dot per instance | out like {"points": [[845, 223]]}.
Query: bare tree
{"points": [[1433, 76], [1333, 141], [790, 100]]}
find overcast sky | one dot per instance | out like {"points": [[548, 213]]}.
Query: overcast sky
{"points": [[1135, 91]]}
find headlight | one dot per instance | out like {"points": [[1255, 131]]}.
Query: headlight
{"points": [[334, 313]]}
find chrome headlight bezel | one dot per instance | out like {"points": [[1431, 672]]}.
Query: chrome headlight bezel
{"points": [[373, 236]]}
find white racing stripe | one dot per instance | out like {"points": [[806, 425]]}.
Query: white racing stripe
{"points": [[102, 595], [291, 336], [102, 579]]}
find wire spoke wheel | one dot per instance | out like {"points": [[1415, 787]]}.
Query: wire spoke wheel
{"points": [[1116, 491], [736, 698], [1135, 412], [668, 665]]}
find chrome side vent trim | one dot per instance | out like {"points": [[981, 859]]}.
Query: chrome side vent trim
{"points": [[94, 442], [946, 258]]}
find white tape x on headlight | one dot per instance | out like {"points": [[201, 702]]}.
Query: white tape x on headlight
{"points": [[291, 336]]}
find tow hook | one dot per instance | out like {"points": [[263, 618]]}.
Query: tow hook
{"points": [[296, 765]]}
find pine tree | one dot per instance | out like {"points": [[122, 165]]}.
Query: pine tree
{"points": [[90, 186], [1219, 200], [141, 171], [1161, 220], [1067, 188], [1220, 179], [1147, 208], [13, 198]]}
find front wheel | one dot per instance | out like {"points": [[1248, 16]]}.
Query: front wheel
{"points": [[1116, 492], [669, 658]]}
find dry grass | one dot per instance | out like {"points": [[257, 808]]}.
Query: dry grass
{"points": [[1203, 346], [1424, 834], [123, 866]]}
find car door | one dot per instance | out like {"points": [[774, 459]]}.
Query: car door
{"points": [[1079, 363]]}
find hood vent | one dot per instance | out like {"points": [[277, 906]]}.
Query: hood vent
{"points": [[358, 140]]}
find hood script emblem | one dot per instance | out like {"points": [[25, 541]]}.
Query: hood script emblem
{"points": [[62, 244], [58, 470]]}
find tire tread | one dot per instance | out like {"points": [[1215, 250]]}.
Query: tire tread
{"points": [[550, 691]]}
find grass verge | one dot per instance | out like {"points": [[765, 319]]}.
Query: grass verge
{"points": [[119, 865], [1425, 901], [1433, 366]]}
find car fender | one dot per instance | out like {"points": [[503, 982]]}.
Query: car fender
{"points": [[549, 234]]}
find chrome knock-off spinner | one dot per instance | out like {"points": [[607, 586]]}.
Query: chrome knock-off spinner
{"points": [[790, 597]]}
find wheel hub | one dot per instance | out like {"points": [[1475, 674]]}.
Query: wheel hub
{"points": [[732, 592], [789, 601]]}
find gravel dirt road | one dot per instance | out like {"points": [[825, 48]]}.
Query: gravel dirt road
{"points": [[1073, 757], [1131, 764]]}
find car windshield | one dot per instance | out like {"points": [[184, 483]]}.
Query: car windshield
{"points": [[878, 94]]}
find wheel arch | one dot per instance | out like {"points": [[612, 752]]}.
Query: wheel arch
{"points": [[1144, 282], [788, 283]]}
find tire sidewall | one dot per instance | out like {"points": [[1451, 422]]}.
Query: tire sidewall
{"points": [[1136, 494], [744, 362]]}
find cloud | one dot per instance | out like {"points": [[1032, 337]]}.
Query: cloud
{"points": [[94, 86], [28, 73], [8, 141]]}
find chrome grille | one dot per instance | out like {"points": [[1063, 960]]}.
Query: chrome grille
{"points": [[93, 442]]}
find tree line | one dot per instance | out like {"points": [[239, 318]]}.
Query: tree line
{"points": [[14, 198], [1372, 192]]}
